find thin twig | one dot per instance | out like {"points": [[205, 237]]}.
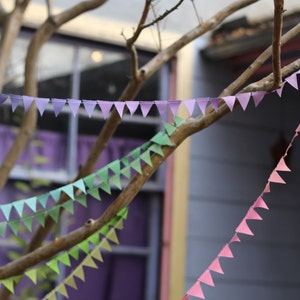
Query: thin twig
{"points": [[196, 12], [158, 28], [49, 7]]}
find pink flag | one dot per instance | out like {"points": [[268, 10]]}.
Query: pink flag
{"points": [[244, 228], [226, 252], [132, 106], [292, 80], [281, 166], [235, 239], [214, 102], [275, 177], [215, 266], [260, 203], [279, 90], [190, 105], [196, 291], [206, 278], [252, 215]]}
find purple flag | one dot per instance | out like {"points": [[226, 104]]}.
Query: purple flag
{"points": [[279, 90], [132, 106], [3, 97], [74, 105], [292, 80], [244, 99], [257, 97], [161, 106], [105, 107], [89, 106], [190, 105], [15, 100], [202, 103], [229, 100], [58, 105], [214, 102], [27, 100], [174, 105], [145, 107], [119, 107], [41, 104]]}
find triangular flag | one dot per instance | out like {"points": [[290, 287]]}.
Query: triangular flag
{"points": [[235, 239], [19, 206], [89, 106], [94, 193], [61, 289], [74, 252], [40, 217], [105, 107], [55, 194], [74, 105], [215, 266], [15, 101], [281, 166], [89, 180], [280, 90], [105, 186], [126, 172], [267, 188], [196, 291], [123, 212], [174, 106], [257, 97], [161, 106], [157, 149], [132, 106], [70, 282], [80, 185], [27, 100], [41, 104], [68, 190], [293, 81], [115, 166], [53, 265], [97, 254], [27, 221], [229, 100], [136, 165], [112, 236], [103, 173], [32, 275], [135, 153], [145, 107], [178, 121], [202, 103], [69, 206], [58, 105], [82, 200], [94, 238], [244, 99], [105, 244], [244, 228], [252, 215], [6, 209], [214, 102], [170, 129], [31, 203], [54, 213], [206, 278], [116, 180], [190, 105], [79, 273], [3, 97], [162, 139], [84, 246], [226, 252], [275, 177], [43, 199], [65, 259], [14, 226], [146, 157], [119, 107], [9, 284], [89, 262]]}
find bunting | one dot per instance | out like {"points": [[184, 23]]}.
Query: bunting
{"points": [[161, 106], [242, 229]]}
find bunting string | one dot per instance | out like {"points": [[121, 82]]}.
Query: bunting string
{"points": [[243, 228], [145, 106]]}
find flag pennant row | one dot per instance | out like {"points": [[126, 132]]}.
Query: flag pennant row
{"points": [[145, 106], [242, 229], [94, 185], [98, 245]]}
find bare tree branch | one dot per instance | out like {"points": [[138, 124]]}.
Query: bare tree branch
{"points": [[277, 31], [49, 7], [235, 85]]}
